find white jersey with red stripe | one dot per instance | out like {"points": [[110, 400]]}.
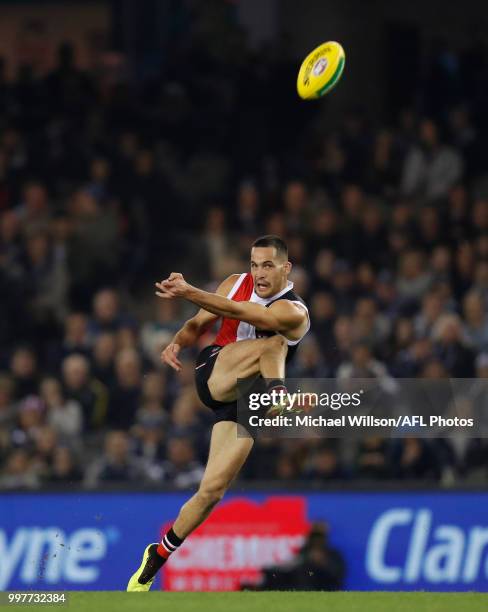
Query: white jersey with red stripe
{"points": [[233, 330]]}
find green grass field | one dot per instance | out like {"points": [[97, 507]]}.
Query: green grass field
{"points": [[279, 601]]}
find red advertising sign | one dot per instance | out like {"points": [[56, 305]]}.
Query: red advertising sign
{"points": [[236, 542]]}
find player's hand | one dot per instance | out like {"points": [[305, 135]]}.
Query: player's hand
{"points": [[174, 286], [170, 356]]}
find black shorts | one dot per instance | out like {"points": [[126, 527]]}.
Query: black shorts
{"points": [[224, 411]]}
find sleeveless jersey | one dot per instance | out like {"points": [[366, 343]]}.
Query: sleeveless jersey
{"points": [[233, 330]]}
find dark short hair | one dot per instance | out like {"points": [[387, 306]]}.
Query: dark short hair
{"points": [[272, 241]]}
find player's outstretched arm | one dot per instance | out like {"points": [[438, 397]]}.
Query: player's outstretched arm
{"points": [[193, 328], [282, 316]]}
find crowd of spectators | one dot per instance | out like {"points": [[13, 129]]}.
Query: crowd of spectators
{"points": [[109, 185]]}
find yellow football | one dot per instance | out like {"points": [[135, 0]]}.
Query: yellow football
{"points": [[321, 70]]}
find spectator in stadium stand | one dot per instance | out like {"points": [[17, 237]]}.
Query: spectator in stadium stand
{"points": [[8, 409], [63, 469], [18, 472], [262, 462], [181, 469], [103, 358], [154, 387], [98, 185], [324, 465], [343, 288], [371, 327], [295, 203], [24, 370], [247, 219], [323, 312], [297, 251], [309, 362], [473, 460], [482, 246], [117, 464], [450, 347], [125, 394], [399, 240], [464, 267], [126, 338], [323, 268], [64, 416], [431, 309], [363, 365], [466, 137], [317, 567], [300, 279], [429, 228], [479, 217], [353, 203], [94, 251], [70, 89], [373, 224], [275, 224], [149, 436], [90, 393], [401, 337], [46, 278], [286, 468], [385, 165], [221, 256], [151, 411], [414, 458], [479, 394], [475, 329], [458, 206], [366, 280], [409, 362], [10, 244], [188, 420], [30, 419], [45, 445], [33, 211], [440, 264], [386, 295], [481, 279], [372, 460], [431, 167], [74, 340], [107, 314], [414, 279], [325, 231], [158, 331], [474, 451]]}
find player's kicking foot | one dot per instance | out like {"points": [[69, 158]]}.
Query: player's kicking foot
{"points": [[143, 578], [283, 408]]}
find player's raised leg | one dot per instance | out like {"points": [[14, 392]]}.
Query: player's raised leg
{"points": [[241, 360], [227, 454]]}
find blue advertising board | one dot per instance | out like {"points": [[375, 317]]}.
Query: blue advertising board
{"points": [[434, 541]]}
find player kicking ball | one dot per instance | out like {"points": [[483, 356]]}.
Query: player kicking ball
{"points": [[262, 323]]}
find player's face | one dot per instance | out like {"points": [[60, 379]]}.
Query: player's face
{"points": [[269, 271]]}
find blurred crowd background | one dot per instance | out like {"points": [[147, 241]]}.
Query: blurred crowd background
{"points": [[109, 184]]}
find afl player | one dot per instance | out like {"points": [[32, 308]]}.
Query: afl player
{"points": [[263, 321]]}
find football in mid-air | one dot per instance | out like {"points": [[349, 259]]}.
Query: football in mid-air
{"points": [[321, 70]]}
